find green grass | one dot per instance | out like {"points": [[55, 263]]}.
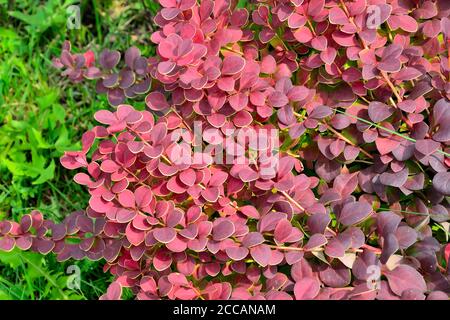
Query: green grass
{"points": [[41, 116]]}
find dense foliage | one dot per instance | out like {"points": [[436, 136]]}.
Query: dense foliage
{"points": [[358, 92]]}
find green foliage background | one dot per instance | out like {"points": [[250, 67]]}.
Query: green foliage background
{"points": [[41, 116]]}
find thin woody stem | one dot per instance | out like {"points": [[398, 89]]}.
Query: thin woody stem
{"points": [[347, 140], [292, 200], [391, 85], [340, 136], [181, 118], [372, 249], [232, 50], [287, 248]]}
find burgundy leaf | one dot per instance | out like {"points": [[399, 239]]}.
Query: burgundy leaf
{"points": [[306, 289], [355, 212], [403, 278]]}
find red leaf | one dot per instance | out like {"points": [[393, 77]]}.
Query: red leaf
{"points": [[405, 277], [306, 289]]}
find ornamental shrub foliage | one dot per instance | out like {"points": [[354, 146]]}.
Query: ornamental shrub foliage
{"points": [[349, 199]]}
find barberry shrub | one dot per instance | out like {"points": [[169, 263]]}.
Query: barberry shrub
{"points": [[356, 203]]}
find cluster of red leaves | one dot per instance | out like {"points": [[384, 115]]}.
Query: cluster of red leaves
{"points": [[362, 106]]}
